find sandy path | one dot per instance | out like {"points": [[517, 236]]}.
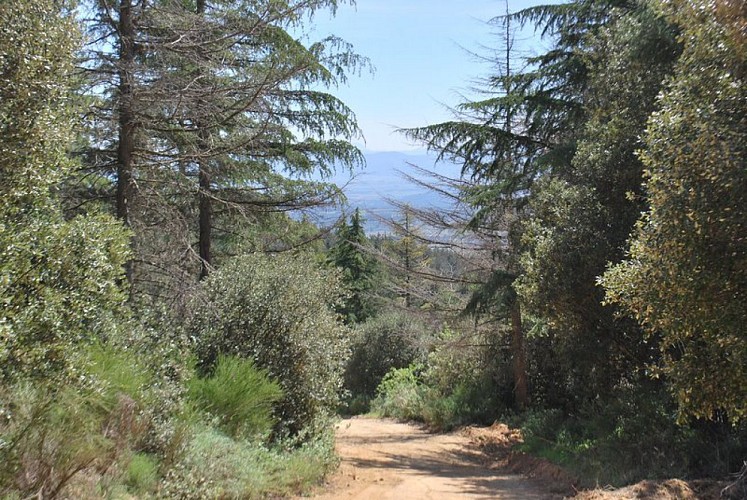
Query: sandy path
{"points": [[382, 459]]}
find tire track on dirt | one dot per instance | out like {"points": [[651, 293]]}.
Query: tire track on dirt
{"points": [[383, 459]]}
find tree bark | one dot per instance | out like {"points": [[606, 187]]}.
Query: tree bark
{"points": [[521, 391], [126, 145], [205, 195], [127, 125], [206, 221]]}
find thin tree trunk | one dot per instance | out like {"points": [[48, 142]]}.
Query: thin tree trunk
{"points": [[518, 353], [408, 264], [521, 391], [205, 196], [127, 125], [206, 221]]}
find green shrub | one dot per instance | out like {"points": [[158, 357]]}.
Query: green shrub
{"points": [[279, 312], [59, 278], [440, 412], [355, 404], [239, 395], [469, 383], [119, 372], [455, 387], [631, 437], [393, 340], [470, 402], [59, 290], [142, 473], [400, 394], [48, 436], [159, 345], [53, 431], [216, 466]]}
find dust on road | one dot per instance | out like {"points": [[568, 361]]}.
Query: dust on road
{"points": [[382, 459]]}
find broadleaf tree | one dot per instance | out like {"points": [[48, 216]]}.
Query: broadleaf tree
{"points": [[59, 278], [685, 278]]}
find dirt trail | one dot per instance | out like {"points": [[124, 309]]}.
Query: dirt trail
{"points": [[382, 459]]}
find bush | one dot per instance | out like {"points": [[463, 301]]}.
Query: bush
{"points": [[59, 279], [159, 344], [470, 383], [142, 473], [240, 396], [279, 312], [48, 436], [631, 437], [216, 466], [119, 373], [60, 290], [459, 384], [393, 340], [470, 402], [50, 433], [400, 394]]}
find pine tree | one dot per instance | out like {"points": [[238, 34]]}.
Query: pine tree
{"points": [[350, 253], [228, 121], [503, 143]]}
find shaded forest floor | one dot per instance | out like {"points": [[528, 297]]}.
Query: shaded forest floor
{"points": [[386, 459], [497, 442]]}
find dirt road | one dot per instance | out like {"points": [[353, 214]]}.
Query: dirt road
{"points": [[382, 459]]}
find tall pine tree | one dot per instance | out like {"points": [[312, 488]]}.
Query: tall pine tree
{"points": [[227, 122], [359, 269]]}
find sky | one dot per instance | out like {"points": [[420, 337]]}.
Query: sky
{"points": [[423, 55]]}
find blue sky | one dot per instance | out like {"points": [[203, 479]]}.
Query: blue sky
{"points": [[420, 51]]}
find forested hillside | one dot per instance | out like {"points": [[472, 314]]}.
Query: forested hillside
{"points": [[173, 325]]}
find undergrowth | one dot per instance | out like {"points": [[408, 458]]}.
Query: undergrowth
{"points": [[99, 437], [239, 396], [405, 395], [624, 438], [630, 438], [217, 466]]}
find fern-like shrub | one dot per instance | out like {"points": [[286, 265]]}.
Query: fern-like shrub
{"points": [[240, 396]]}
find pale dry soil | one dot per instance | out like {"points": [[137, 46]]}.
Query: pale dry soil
{"points": [[383, 459]]}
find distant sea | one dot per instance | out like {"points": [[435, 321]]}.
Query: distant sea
{"points": [[382, 179]]}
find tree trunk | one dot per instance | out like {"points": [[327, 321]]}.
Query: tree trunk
{"points": [[126, 145], [408, 264], [521, 391], [205, 195], [206, 222]]}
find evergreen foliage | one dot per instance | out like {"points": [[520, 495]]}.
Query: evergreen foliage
{"points": [[359, 269], [685, 279], [407, 256], [567, 151], [279, 312], [91, 400], [580, 219], [239, 395], [222, 117], [594, 275], [59, 279]]}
